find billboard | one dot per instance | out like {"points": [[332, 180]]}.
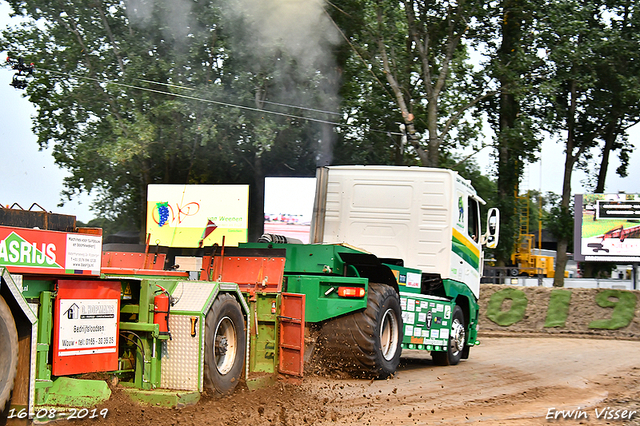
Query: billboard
{"points": [[607, 227], [197, 215], [39, 251]]}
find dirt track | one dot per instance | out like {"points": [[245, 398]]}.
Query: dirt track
{"points": [[506, 381]]}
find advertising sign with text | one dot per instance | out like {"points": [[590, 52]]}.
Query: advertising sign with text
{"points": [[85, 332], [607, 227], [197, 215], [39, 251]]}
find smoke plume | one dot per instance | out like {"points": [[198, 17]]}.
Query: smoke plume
{"points": [[291, 39]]}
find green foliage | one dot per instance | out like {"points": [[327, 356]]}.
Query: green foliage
{"points": [[133, 93], [559, 222], [406, 70], [591, 91], [516, 311], [110, 227], [130, 94], [558, 308], [570, 68], [623, 309], [513, 115]]}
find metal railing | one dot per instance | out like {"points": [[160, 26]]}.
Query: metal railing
{"points": [[505, 275]]}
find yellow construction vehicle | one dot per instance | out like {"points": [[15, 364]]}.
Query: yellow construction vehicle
{"points": [[529, 263], [524, 256]]}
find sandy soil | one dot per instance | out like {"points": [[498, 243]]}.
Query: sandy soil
{"points": [[506, 381]]}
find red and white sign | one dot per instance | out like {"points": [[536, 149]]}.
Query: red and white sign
{"points": [[85, 337], [51, 252]]}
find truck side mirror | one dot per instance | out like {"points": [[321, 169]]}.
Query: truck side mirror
{"points": [[490, 238]]}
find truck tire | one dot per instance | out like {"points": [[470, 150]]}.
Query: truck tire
{"points": [[457, 342], [366, 343], [8, 353], [225, 344]]}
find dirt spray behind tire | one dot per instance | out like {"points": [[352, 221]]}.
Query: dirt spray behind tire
{"points": [[366, 343]]}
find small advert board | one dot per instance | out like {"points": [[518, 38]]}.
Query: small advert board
{"points": [[86, 322]]}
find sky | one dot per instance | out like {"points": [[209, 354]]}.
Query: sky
{"points": [[34, 178], [547, 173], [32, 175]]}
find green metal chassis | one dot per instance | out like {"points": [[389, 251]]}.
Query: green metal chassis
{"points": [[141, 378], [314, 269]]}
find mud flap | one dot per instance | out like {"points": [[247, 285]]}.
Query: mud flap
{"points": [[291, 345]]}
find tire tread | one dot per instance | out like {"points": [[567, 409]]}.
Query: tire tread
{"points": [[224, 385], [8, 353], [348, 342]]}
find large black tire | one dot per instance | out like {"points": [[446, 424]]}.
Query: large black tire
{"points": [[8, 353], [366, 343], [225, 345], [457, 341]]}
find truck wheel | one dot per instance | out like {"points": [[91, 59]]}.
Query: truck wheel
{"points": [[457, 341], [367, 343], [8, 353], [225, 343]]}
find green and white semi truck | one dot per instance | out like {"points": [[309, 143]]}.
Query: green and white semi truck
{"points": [[405, 244]]}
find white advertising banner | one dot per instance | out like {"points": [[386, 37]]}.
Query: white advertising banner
{"points": [[87, 326]]}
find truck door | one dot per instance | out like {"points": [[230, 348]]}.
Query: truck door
{"points": [[473, 267], [467, 254]]}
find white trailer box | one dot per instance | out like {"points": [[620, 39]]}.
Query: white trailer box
{"points": [[427, 217]]}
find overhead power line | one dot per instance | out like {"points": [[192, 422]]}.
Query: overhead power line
{"points": [[217, 102], [178, 86]]}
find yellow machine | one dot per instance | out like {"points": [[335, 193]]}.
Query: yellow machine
{"points": [[529, 263], [523, 256]]}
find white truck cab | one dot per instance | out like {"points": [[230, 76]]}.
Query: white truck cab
{"points": [[428, 217]]}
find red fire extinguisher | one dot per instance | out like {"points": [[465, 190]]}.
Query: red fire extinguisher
{"points": [[162, 305]]}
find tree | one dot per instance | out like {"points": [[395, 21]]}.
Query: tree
{"points": [[283, 50], [410, 68], [142, 92], [577, 37], [559, 221], [114, 139], [619, 93], [514, 66]]}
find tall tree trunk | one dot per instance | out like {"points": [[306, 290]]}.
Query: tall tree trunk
{"points": [[563, 241], [609, 138], [433, 155], [508, 142], [570, 160]]}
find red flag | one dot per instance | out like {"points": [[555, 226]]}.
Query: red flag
{"points": [[207, 231]]}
